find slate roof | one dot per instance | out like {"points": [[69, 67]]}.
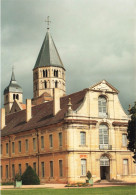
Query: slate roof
{"points": [[13, 86], [42, 115], [48, 55]]}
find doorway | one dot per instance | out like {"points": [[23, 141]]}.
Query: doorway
{"points": [[105, 172]]}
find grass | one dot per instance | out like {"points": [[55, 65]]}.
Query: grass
{"points": [[117, 190]]}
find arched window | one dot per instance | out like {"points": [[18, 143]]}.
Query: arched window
{"points": [[43, 73], [14, 96], [56, 84], [104, 161], [17, 96], [102, 106], [46, 73], [55, 73], [103, 136], [45, 84]]}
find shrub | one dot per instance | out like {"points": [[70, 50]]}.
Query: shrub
{"points": [[7, 183], [30, 177], [89, 175], [18, 177]]}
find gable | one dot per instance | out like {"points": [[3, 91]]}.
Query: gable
{"points": [[104, 86]]}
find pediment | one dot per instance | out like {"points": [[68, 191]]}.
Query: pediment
{"points": [[104, 86]]}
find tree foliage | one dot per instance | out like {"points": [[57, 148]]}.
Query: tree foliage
{"points": [[132, 131], [30, 177]]}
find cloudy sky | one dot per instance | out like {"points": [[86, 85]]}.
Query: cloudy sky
{"points": [[95, 39]]}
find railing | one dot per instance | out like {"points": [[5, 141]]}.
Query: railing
{"points": [[105, 147]]}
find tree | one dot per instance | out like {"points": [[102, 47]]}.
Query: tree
{"points": [[30, 177], [132, 131]]}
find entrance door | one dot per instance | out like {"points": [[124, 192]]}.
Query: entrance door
{"points": [[105, 172], [104, 168]]}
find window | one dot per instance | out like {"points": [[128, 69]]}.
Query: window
{"points": [[104, 161], [42, 142], [51, 168], [82, 138], [6, 171], [1, 171], [103, 135], [45, 84], [13, 147], [26, 165], [51, 141], [7, 148], [55, 73], [17, 97], [60, 168], [14, 96], [34, 144], [19, 146], [125, 166], [42, 169], [20, 170], [56, 84], [102, 106], [45, 73], [26, 145], [13, 171], [83, 167], [124, 140], [34, 166], [1, 149], [60, 139]]}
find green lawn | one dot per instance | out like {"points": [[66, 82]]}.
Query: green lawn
{"points": [[123, 190]]}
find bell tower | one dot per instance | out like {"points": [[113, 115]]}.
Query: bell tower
{"points": [[11, 93], [49, 71]]}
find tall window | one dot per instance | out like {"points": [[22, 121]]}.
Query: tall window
{"points": [[34, 166], [13, 147], [14, 96], [6, 171], [60, 168], [17, 96], [83, 167], [51, 168], [125, 166], [13, 170], [26, 145], [45, 73], [124, 140], [7, 148], [103, 135], [45, 84], [26, 165], [60, 139], [55, 73], [82, 138], [51, 141], [34, 144], [19, 146], [42, 142], [56, 84], [20, 169], [102, 106], [42, 169]]}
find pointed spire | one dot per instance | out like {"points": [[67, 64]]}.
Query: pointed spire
{"points": [[13, 75], [48, 55]]}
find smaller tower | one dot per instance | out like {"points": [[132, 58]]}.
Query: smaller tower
{"points": [[11, 93]]}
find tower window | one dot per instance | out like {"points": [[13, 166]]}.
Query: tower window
{"points": [[45, 73], [55, 73], [56, 84], [14, 96], [45, 84], [17, 96]]}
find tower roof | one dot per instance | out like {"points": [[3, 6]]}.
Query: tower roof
{"points": [[13, 86], [48, 55]]}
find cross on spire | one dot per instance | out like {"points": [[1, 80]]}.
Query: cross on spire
{"points": [[48, 22]]}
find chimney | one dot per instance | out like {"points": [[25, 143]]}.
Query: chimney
{"points": [[28, 110], [56, 102], [2, 122]]}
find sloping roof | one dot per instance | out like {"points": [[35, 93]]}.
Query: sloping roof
{"points": [[42, 115], [48, 55], [13, 86]]}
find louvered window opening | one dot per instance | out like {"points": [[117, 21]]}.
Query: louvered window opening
{"points": [[103, 135], [104, 161], [102, 105]]}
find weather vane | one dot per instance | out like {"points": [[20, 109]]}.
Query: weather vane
{"points": [[48, 22]]}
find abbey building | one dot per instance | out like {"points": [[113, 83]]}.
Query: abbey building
{"points": [[63, 136]]}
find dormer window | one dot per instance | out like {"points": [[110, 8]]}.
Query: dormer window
{"points": [[102, 106]]}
